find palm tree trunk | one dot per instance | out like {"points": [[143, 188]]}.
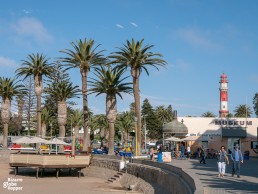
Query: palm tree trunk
{"points": [[44, 129], [62, 117], [5, 114], [61, 131], [84, 74], [5, 135], [76, 131], [136, 91], [38, 92], [111, 116]]}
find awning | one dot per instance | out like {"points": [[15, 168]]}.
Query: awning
{"points": [[239, 132]]}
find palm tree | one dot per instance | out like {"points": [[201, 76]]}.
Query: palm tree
{"points": [[208, 114], [76, 120], [8, 89], [38, 66], [125, 123], [83, 57], [243, 111], [62, 91], [110, 82], [138, 58], [103, 125], [46, 118], [163, 114]]}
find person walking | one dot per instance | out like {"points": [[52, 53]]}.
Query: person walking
{"points": [[188, 152], [182, 152], [222, 160], [202, 154], [236, 157], [152, 153]]}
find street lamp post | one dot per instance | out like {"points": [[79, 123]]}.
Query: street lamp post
{"points": [[50, 129], [136, 137]]}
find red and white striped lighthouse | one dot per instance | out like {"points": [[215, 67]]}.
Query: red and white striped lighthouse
{"points": [[223, 96]]}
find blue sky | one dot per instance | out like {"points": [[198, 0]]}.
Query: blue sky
{"points": [[199, 39]]}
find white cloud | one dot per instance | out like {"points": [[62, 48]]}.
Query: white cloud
{"points": [[134, 24], [119, 26], [5, 62], [26, 11], [197, 38], [31, 27]]}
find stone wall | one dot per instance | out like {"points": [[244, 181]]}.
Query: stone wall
{"points": [[145, 176]]}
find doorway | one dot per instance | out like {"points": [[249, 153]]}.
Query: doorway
{"points": [[232, 142]]}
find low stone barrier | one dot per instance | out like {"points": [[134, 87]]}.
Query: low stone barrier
{"points": [[145, 176]]}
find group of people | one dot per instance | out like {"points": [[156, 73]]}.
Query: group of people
{"points": [[236, 157]]}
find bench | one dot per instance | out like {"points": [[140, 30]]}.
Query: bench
{"points": [[49, 161]]}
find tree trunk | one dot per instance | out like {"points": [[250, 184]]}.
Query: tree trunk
{"points": [[38, 92], [62, 117], [44, 129], [5, 114], [20, 112], [76, 131], [111, 116], [61, 131], [84, 74], [136, 91], [5, 136]]}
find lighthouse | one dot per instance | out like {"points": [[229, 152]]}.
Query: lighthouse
{"points": [[223, 96]]}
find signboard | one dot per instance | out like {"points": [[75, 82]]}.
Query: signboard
{"points": [[166, 156]]}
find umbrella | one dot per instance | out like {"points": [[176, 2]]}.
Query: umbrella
{"points": [[38, 140], [175, 139], [190, 138], [57, 142], [23, 139], [197, 138]]}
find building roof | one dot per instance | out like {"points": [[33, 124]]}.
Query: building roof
{"points": [[175, 127]]}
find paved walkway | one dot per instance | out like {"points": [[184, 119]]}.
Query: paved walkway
{"points": [[205, 175]]}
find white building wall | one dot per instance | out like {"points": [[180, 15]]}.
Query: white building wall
{"points": [[202, 125]]}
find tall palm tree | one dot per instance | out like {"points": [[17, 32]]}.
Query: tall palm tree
{"points": [[8, 89], [62, 91], [110, 82], [38, 66], [83, 56], [137, 57]]}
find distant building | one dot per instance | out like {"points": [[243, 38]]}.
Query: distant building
{"points": [[212, 133]]}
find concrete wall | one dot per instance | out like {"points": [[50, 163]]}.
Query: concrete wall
{"points": [[146, 176]]}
